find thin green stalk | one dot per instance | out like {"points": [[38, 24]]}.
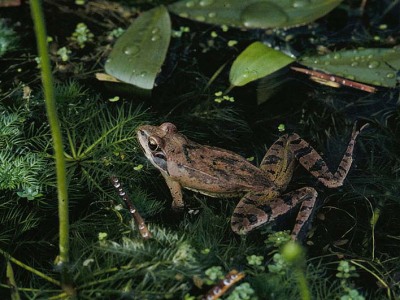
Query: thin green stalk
{"points": [[303, 285], [12, 283], [293, 253], [48, 87], [28, 268]]}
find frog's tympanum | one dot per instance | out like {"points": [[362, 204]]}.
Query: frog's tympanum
{"points": [[221, 173]]}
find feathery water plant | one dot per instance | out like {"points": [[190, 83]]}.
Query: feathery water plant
{"points": [[20, 169], [8, 37]]}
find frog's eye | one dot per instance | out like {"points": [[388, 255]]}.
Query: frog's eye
{"points": [[168, 127], [153, 144]]}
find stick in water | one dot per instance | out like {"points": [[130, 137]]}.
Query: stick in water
{"points": [[144, 231]]}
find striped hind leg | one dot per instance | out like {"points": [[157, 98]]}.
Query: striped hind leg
{"points": [[256, 209], [313, 162]]}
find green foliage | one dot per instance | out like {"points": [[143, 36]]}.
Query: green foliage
{"points": [[255, 260], [139, 53], [16, 218], [8, 37], [100, 139], [254, 13], [64, 53], [149, 269], [345, 272], [214, 274], [255, 62], [242, 292], [277, 239], [109, 259], [279, 266], [82, 35], [20, 169], [373, 66]]}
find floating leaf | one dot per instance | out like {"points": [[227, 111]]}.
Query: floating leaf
{"points": [[256, 61], [374, 66], [254, 13], [139, 53]]}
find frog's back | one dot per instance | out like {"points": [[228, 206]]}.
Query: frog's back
{"points": [[216, 171]]}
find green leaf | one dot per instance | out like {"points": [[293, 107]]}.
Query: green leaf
{"points": [[256, 61], [139, 53], [376, 66], [254, 13]]}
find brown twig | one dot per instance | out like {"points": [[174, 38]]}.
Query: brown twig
{"points": [[144, 231], [221, 287], [334, 81]]}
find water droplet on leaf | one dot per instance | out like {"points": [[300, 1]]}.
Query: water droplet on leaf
{"points": [[337, 56], [373, 64], [190, 4], [390, 75], [155, 38], [206, 2], [132, 50], [263, 15], [300, 3]]}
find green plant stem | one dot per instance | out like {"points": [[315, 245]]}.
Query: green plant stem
{"points": [[302, 282], [13, 284], [375, 273], [28, 268], [48, 87]]}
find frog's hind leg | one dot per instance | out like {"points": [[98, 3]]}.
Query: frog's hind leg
{"points": [[256, 209], [313, 162], [278, 162]]}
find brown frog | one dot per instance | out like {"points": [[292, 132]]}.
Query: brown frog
{"points": [[221, 173]]}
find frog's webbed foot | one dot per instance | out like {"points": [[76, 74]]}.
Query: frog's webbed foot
{"points": [[254, 210], [357, 130]]}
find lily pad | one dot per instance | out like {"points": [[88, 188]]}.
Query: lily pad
{"points": [[257, 61], [377, 66], [254, 13], [139, 53]]}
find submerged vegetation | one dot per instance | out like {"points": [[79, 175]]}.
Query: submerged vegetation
{"points": [[237, 85]]}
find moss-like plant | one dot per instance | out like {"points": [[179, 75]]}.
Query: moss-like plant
{"points": [[8, 37]]}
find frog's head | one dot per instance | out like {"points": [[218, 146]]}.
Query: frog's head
{"points": [[152, 139]]}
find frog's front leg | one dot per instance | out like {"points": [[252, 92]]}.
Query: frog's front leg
{"points": [[258, 208], [176, 192]]}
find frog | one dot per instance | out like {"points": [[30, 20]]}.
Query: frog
{"points": [[221, 173]]}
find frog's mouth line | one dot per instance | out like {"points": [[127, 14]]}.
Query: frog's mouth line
{"points": [[142, 138]]}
